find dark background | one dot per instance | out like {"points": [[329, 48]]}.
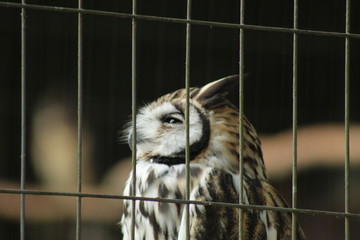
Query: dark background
{"points": [[51, 70]]}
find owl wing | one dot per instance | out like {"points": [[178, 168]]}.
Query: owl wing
{"points": [[218, 222], [212, 222]]}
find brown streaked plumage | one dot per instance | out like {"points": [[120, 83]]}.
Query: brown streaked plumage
{"points": [[214, 167]]}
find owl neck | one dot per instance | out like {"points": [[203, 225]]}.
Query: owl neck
{"points": [[225, 143], [253, 163], [180, 157], [170, 161]]}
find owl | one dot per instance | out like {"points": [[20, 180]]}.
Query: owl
{"points": [[214, 171]]}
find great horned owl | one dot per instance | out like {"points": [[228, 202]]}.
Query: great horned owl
{"points": [[214, 171]]}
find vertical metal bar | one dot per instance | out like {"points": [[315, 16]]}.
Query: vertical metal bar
{"points": [[23, 120], [134, 106], [241, 116], [294, 117], [187, 117], [79, 123], [347, 118]]}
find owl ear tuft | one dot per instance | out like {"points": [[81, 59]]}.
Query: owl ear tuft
{"points": [[218, 87]]}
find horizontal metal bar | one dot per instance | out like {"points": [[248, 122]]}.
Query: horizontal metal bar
{"points": [[183, 21], [181, 201]]}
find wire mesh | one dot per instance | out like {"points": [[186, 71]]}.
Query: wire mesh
{"points": [[347, 35], [182, 201], [294, 131], [133, 116], [80, 120], [187, 118], [347, 118], [241, 117], [23, 121], [183, 21]]}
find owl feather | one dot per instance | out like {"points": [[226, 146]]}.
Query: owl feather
{"points": [[214, 171]]}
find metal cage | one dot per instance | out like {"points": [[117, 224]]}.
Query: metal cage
{"points": [[188, 23]]}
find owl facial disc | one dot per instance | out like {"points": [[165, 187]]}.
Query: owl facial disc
{"points": [[159, 126]]}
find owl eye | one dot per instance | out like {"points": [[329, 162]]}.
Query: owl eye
{"points": [[171, 120]]}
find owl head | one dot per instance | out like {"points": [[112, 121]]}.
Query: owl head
{"points": [[214, 129]]}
